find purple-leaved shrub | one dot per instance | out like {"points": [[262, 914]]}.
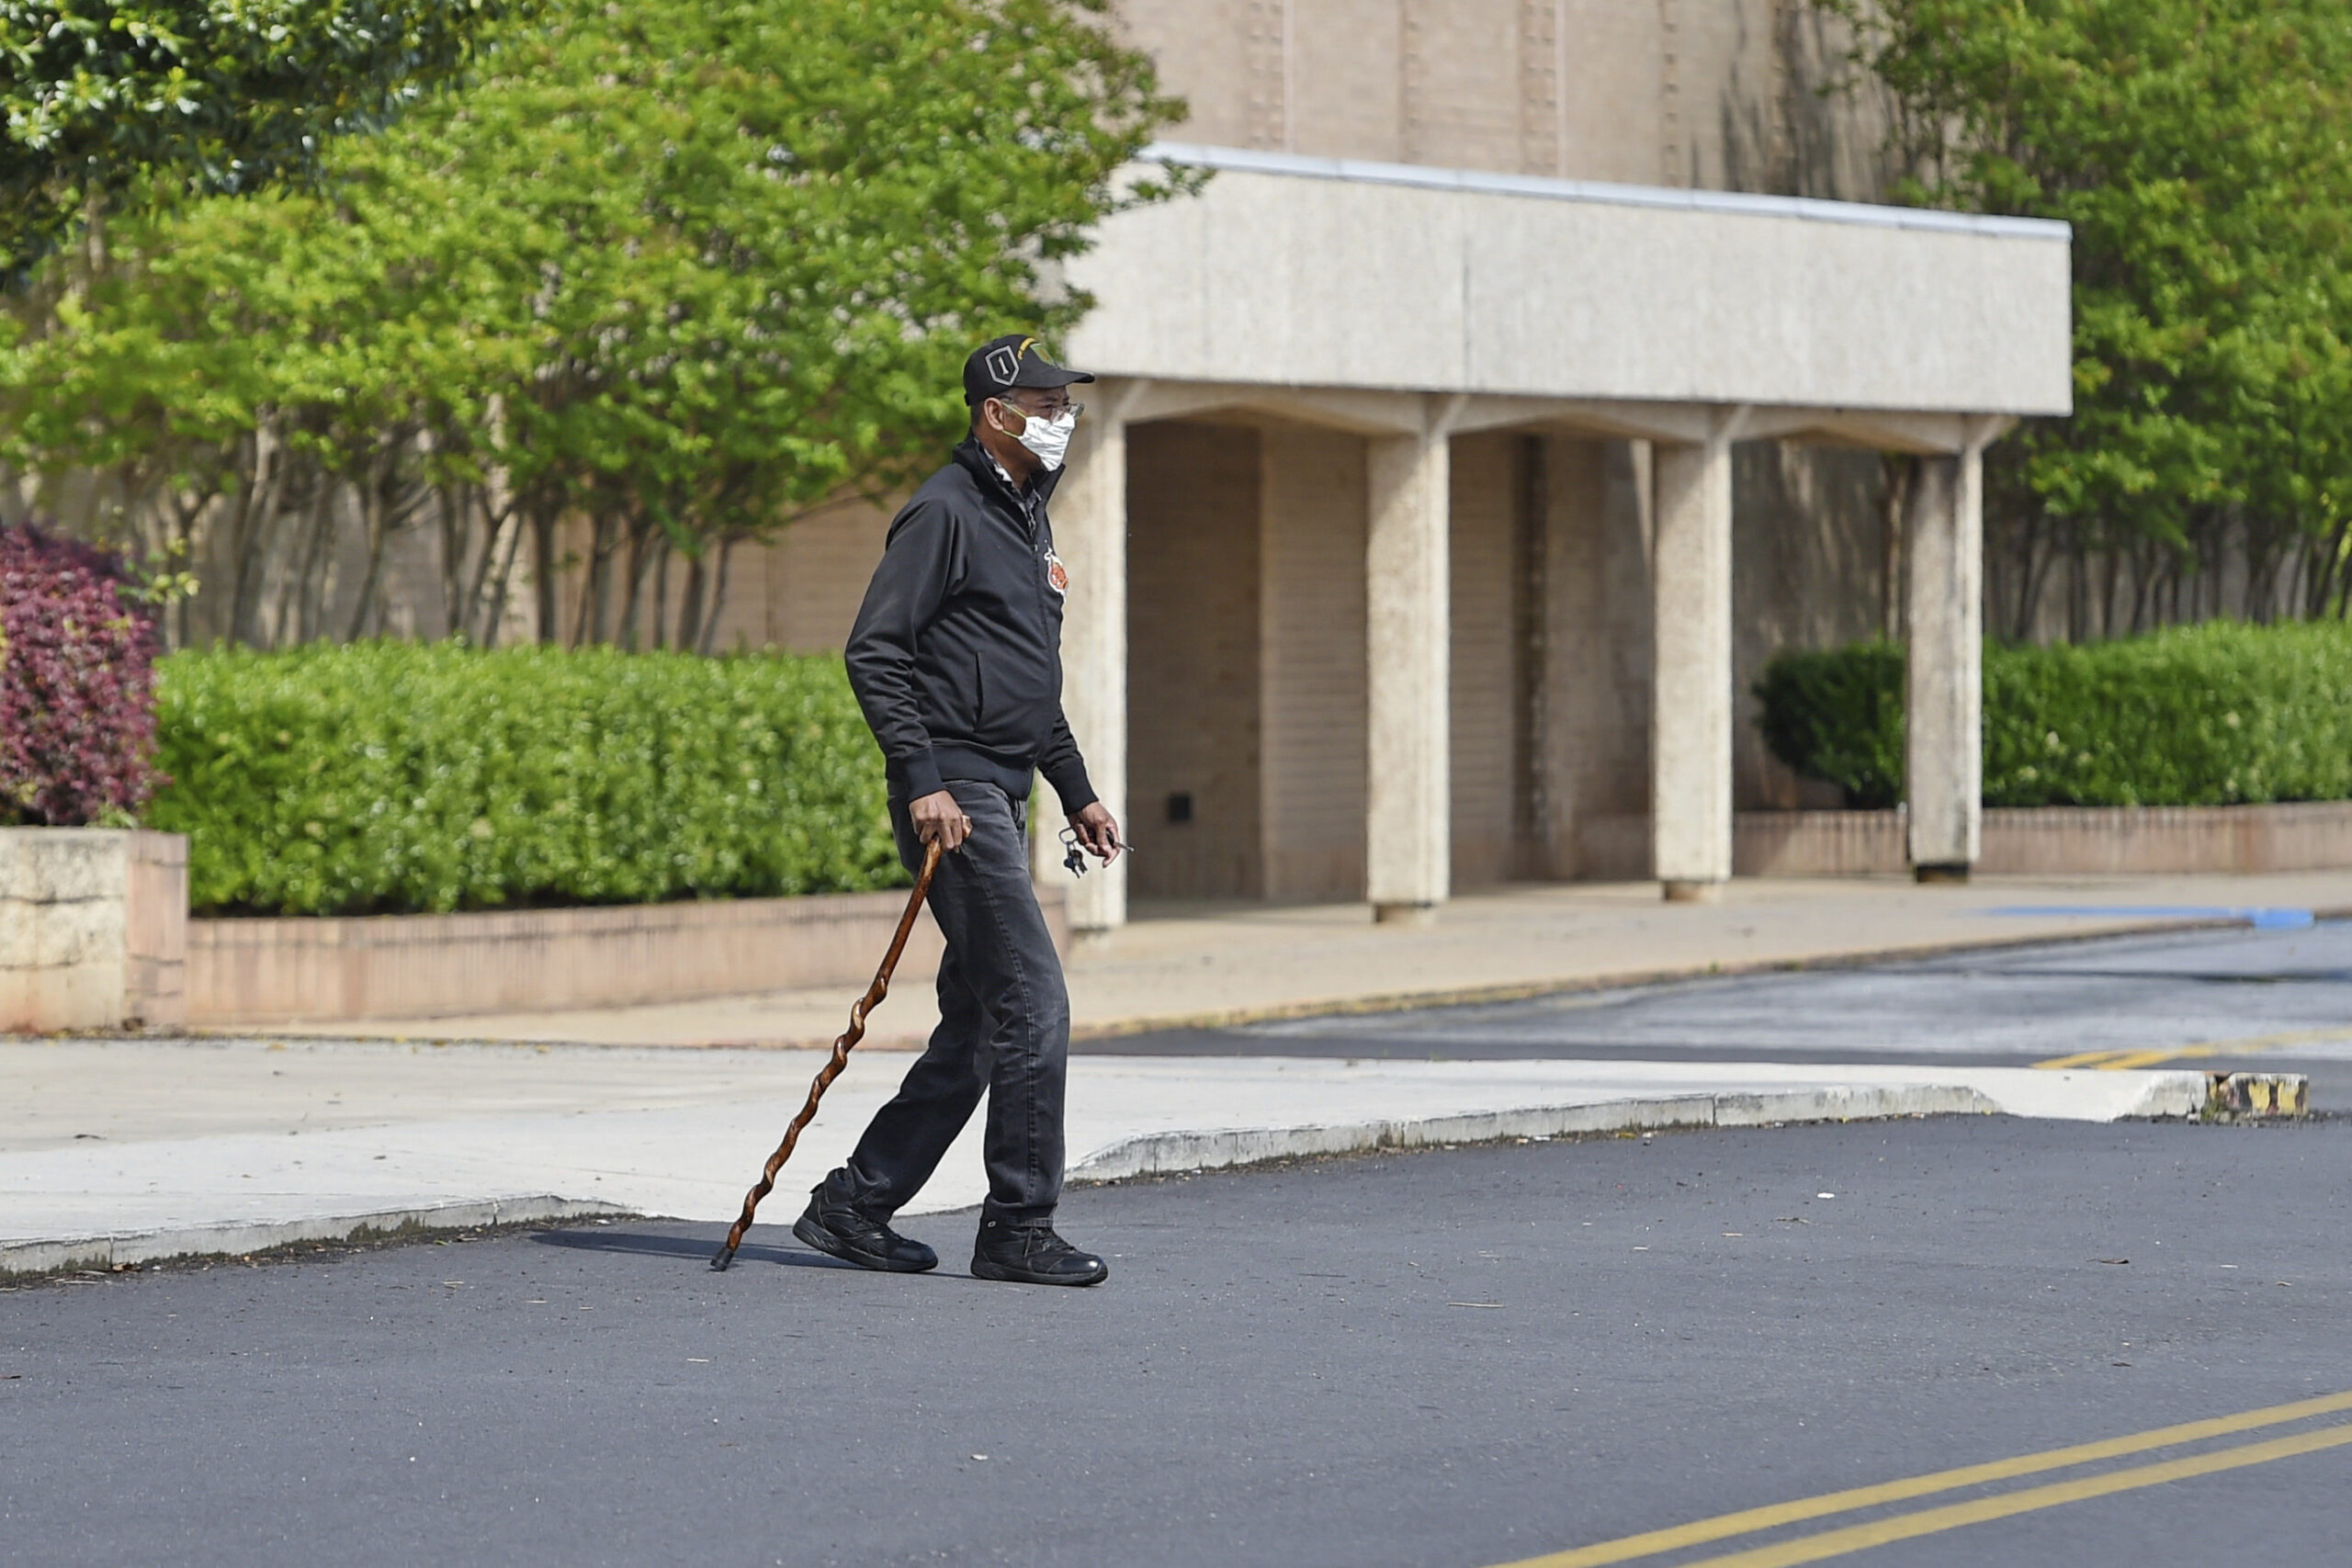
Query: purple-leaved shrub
{"points": [[77, 685]]}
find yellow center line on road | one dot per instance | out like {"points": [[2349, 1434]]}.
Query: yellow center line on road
{"points": [[1952, 1515], [2101, 1061], [1748, 1521], [2118, 1061]]}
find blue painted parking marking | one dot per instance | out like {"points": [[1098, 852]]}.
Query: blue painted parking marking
{"points": [[2261, 920]]}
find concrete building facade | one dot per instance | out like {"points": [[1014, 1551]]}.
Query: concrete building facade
{"points": [[1509, 392], [1723, 94]]}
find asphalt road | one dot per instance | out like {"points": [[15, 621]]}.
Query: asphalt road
{"points": [[2234, 1000], [1442, 1359]]}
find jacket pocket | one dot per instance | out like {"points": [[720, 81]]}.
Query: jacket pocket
{"points": [[979, 697], [1021, 706]]}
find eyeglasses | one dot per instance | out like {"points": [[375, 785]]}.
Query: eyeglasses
{"points": [[1051, 410]]}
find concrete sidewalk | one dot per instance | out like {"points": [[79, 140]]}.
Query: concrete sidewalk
{"points": [[123, 1151], [1232, 962], [116, 1151]]}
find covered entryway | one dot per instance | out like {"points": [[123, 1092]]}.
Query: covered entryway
{"points": [[1246, 658], [1409, 567]]}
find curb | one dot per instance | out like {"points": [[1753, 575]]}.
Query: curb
{"points": [[2178, 1096], [21, 1259], [2173, 1094]]}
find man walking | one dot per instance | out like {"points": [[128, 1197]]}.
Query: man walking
{"points": [[956, 662]]}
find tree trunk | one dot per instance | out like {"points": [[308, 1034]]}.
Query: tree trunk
{"points": [[2111, 582], [494, 613], [380, 514], [500, 529], [2033, 560], [461, 571], [256, 500], [371, 529], [2074, 585], [2143, 578], [2319, 582], [718, 595], [640, 557], [661, 590], [544, 605], [187, 508], [690, 608], [297, 598], [595, 591]]}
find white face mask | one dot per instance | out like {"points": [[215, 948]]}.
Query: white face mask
{"points": [[1048, 439]]}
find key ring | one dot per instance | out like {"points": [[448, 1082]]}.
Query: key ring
{"points": [[1074, 853]]}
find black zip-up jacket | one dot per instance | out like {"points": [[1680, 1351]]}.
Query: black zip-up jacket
{"points": [[956, 654]]}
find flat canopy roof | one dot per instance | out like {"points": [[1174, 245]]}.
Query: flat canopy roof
{"points": [[1310, 272]]}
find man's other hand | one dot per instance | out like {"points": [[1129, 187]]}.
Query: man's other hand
{"points": [[939, 820], [1098, 830]]}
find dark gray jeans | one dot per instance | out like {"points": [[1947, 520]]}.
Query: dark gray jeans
{"points": [[1003, 1029]]}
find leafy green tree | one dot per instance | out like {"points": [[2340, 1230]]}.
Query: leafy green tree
{"points": [[686, 269], [759, 238], [2197, 149], [102, 98]]}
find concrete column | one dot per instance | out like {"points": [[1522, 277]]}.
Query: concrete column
{"points": [[1690, 669], [1408, 819], [1944, 697], [1090, 513]]}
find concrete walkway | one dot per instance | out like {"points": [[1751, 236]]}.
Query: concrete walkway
{"points": [[122, 1151], [116, 1151], [1228, 963]]}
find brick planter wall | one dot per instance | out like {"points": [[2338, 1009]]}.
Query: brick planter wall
{"points": [[94, 934], [2060, 839], [93, 927], [322, 970]]}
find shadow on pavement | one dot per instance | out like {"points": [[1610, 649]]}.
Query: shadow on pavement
{"points": [[650, 1243]]}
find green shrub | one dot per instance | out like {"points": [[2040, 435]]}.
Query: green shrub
{"points": [[2217, 714], [388, 778], [1838, 715]]}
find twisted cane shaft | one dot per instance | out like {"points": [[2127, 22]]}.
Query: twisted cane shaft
{"points": [[840, 1058]]}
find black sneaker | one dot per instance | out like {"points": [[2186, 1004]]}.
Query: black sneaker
{"points": [[853, 1237], [1033, 1254]]}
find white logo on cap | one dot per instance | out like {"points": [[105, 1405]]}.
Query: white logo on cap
{"points": [[1003, 364]]}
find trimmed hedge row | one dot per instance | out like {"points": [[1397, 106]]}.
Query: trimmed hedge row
{"points": [[2216, 715], [394, 778]]}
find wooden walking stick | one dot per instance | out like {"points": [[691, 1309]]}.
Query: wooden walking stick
{"points": [[858, 1013]]}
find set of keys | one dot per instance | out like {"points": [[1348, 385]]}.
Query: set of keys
{"points": [[1074, 853]]}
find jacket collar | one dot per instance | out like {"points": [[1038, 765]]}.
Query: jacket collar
{"points": [[973, 455]]}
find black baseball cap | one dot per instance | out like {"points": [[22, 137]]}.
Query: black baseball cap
{"points": [[1003, 363]]}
